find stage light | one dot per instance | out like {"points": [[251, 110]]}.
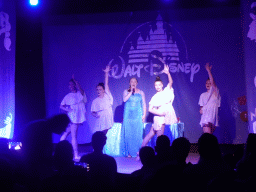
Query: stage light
{"points": [[33, 2], [15, 145]]}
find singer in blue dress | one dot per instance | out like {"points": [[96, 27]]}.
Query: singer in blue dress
{"points": [[134, 116]]}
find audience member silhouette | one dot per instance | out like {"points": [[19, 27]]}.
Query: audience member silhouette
{"points": [[145, 174], [163, 150], [37, 148], [67, 177], [6, 175], [232, 158], [147, 158], [103, 168], [246, 168], [6, 166], [180, 150], [210, 165], [169, 174], [63, 157]]}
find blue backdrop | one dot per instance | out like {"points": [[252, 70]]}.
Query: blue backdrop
{"points": [[84, 44], [7, 67]]}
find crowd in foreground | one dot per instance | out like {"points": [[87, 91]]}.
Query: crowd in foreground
{"points": [[35, 168]]}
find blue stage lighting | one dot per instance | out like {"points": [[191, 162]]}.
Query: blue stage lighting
{"points": [[33, 2]]}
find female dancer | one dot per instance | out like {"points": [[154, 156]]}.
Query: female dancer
{"points": [[134, 116], [209, 104], [101, 107], [161, 106], [74, 104]]}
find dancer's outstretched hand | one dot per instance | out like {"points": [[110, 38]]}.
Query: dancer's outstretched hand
{"points": [[107, 69], [208, 67], [166, 69]]}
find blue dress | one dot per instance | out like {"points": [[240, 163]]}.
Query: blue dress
{"points": [[132, 128]]}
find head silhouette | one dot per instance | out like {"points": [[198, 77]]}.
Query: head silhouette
{"points": [[58, 123], [250, 146], [63, 156], [162, 143], [37, 138], [181, 147], [208, 146], [147, 155], [98, 140]]}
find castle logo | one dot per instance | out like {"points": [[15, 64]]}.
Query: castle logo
{"points": [[153, 38]]}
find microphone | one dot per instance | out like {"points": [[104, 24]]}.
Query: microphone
{"points": [[133, 91]]}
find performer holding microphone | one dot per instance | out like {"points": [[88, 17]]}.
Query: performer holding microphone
{"points": [[134, 116]]}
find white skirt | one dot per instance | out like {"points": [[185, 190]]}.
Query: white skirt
{"points": [[105, 121], [210, 115], [169, 118], [78, 113]]}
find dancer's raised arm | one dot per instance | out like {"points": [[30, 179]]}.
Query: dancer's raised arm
{"points": [[208, 68], [78, 85], [166, 71], [106, 77]]}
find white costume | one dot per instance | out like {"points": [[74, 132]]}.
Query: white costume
{"points": [[162, 101], [210, 102], [103, 106], [75, 101]]}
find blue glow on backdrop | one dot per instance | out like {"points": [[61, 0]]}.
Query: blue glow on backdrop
{"points": [[84, 44], [7, 67]]}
